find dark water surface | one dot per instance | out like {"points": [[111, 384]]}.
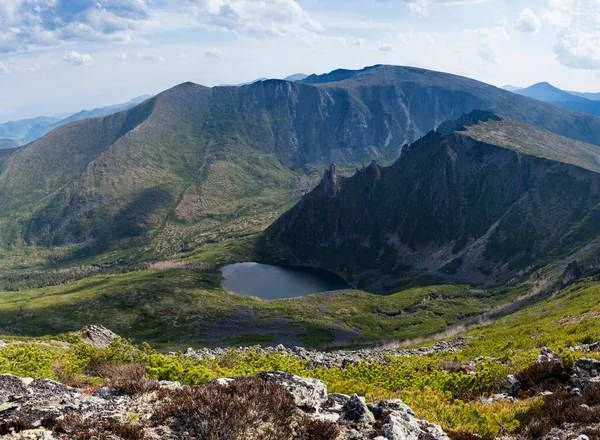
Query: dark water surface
{"points": [[275, 282]]}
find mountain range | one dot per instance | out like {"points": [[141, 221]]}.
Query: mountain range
{"points": [[15, 133], [583, 102], [196, 164]]}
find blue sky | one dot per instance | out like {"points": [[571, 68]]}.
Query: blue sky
{"points": [[60, 56]]}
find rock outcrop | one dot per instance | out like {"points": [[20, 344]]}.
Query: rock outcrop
{"points": [[35, 408], [338, 358], [97, 336]]}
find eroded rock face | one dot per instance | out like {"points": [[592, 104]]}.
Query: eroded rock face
{"points": [[572, 273]]}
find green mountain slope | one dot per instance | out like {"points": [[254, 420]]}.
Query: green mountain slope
{"points": [[195, 164], [481, 205]]}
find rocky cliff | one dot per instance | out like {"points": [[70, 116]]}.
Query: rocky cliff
{"points": [[453, 207]]}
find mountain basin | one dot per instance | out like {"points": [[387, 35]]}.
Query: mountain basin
{"points": [[268, 282]]}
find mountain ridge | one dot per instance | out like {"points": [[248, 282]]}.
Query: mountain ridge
{"points": [[196, 163], [455, 207]]}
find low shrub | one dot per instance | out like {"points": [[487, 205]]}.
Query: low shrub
{"points": [[128, 379], [543, 376], [559, 409], [80, 428], [243, 409]]}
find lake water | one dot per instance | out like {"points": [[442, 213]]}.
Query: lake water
{"points": [[275, 282]]}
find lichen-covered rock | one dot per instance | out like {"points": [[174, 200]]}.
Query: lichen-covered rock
{"points": [[308, 394], [547, 355], [335, 402], [512, 386], [97, 336], [403, 426], [356, 411]]}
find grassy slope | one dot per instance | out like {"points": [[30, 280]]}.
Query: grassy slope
{"points": [[178, 306], [530, 140]]}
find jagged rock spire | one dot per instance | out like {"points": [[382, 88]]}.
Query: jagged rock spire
{"points": [[331, 187]]}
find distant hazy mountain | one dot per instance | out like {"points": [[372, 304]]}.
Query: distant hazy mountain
{"points": [[511, 88], [198, 163], [295, 77], [587, 95], [572, 100], [8, 143], [17, 130], [28, 130], [478, 201]]}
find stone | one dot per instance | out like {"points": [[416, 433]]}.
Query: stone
{"points": [[308, 394], [97, 336], [335, 402], [383, 408], [356, 411], [547, 355], [512, 386], [403, 426], [11, 386]]}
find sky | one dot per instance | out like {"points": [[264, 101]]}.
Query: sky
{"points": [[62, 56]]}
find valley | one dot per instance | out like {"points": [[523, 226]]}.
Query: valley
{"points": [[346, 216]]}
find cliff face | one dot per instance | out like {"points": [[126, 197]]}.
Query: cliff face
{"points": [[451, 207]]}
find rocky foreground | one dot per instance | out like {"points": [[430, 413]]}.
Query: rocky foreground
{"points": [[274, 405]]}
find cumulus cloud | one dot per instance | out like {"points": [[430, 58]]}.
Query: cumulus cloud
{"points": [[579, 49], [264, 18], [120, 57], [528, 21], [4, 69], [77, 58], [26, 23], [215, 54]]}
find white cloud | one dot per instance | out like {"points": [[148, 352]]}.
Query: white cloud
{"points": [[150, 57], [78, 59], [421, 7], [498, 32], [30, 23], [183, 55], [215, 53], [120, 57], [340, 40], [265, 18], [487, 54], [529, 22], [4, 69], [358, 42], [579, 49], [385, 47]]}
